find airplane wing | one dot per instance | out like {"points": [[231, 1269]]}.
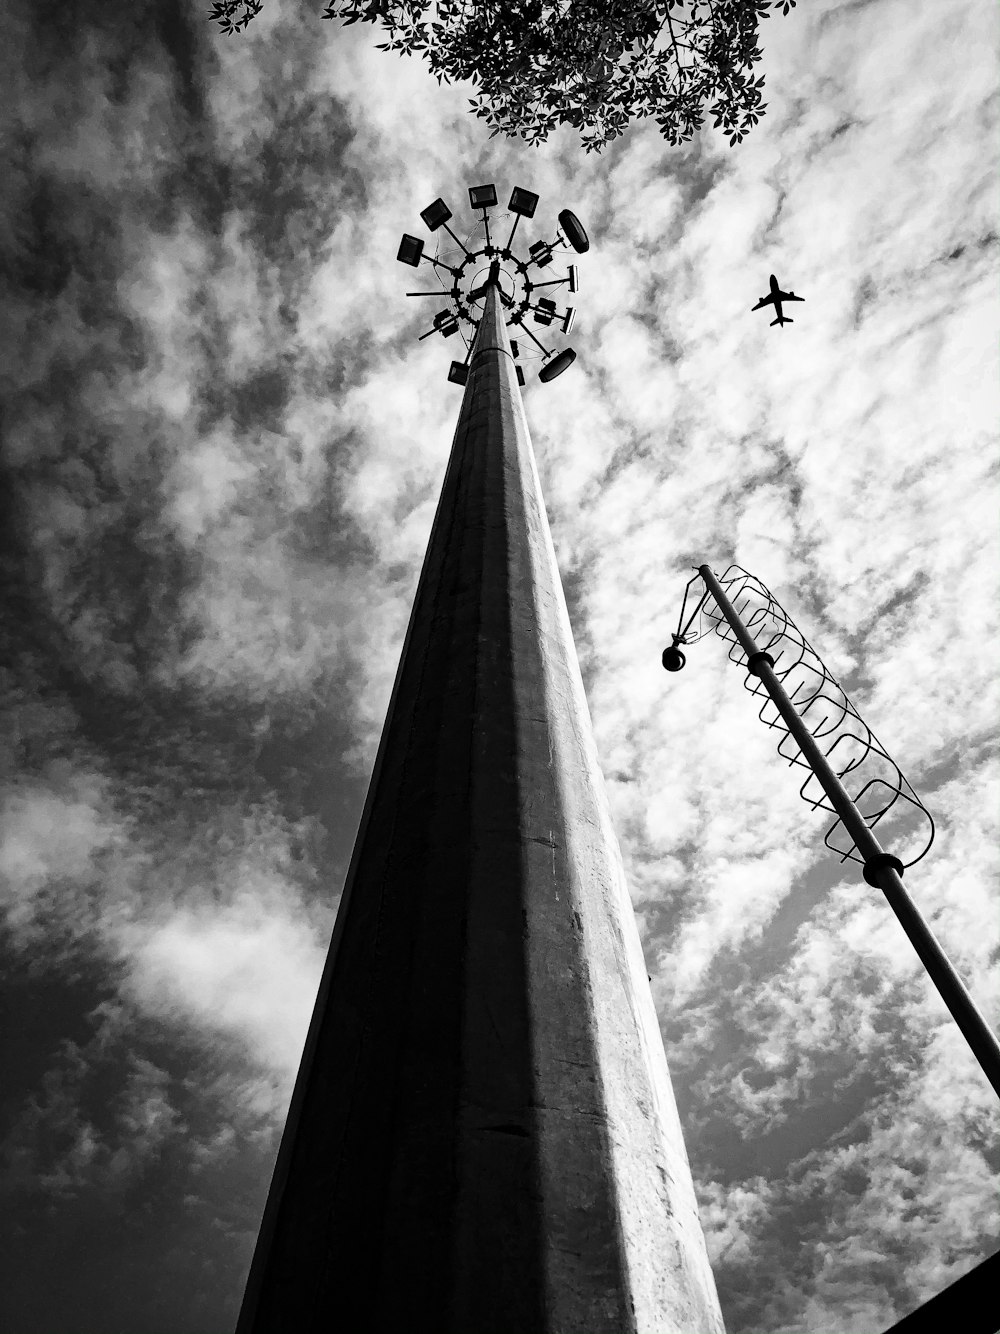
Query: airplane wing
{"points": [[790, 296], [764, 301]]}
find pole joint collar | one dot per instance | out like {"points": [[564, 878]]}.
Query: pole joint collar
{"points": [[755, 659], [875, 864]]}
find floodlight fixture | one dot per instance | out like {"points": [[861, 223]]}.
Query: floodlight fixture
{"points": [[541, 253], [545, 310], [465, 280], [410, 250], [574, 231], [557, 365], [483, 196], [523, 202], [445, 322], [435, 215]]}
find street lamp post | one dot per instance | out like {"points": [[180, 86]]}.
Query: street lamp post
{"points": [[830, 709]]}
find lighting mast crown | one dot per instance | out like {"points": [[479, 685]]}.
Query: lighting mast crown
{"points": [[466, 280]]}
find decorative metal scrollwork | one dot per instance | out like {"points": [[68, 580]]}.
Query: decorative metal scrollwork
{"points": [[877, 785]]}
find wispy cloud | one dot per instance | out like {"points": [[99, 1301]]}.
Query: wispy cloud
{"points": [[223, 445]]}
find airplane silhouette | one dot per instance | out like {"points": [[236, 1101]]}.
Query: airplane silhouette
{"points": [[775, 298]]}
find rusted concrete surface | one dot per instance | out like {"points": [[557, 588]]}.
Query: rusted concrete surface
{"points": [[483, 1138]]}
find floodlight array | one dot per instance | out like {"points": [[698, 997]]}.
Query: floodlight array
{"points": [[460, 290]]}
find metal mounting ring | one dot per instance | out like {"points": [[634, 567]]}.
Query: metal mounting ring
{"points": [[875, 864], [755, 659]]}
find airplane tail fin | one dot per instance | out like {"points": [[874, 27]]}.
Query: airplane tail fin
{"points": [[782, 319]]}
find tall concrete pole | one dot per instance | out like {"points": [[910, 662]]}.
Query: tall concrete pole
{"points": [[483, 1138]]}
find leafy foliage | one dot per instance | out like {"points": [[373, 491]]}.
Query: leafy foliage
{"points": [[593, 64], [227, 14]]}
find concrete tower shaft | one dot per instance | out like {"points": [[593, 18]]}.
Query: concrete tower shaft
{"points": [[483, 1137]]}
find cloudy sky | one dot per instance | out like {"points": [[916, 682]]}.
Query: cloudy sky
{"points": [[222, 444]]}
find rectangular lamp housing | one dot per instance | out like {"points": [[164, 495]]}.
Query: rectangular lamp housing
{"points": [[483, 196], [410, 250], [523, 202], [435, 215]]}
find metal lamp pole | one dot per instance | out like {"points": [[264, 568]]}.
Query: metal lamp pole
{"points": [[881, 868], [483, 1135]]}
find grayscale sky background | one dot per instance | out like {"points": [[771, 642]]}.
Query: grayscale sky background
{"points": [[222, 446]]}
